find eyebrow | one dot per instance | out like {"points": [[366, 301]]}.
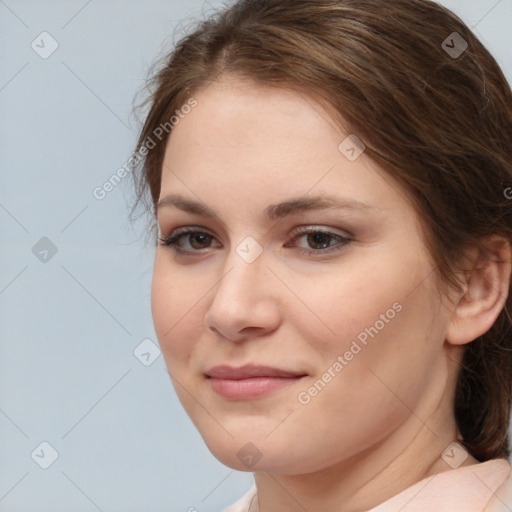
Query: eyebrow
{"points": [[273, 211]]}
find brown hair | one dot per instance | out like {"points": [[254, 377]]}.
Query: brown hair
{"points": [[438, 122]]}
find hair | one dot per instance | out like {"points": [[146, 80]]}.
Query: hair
{"points": [[439, 123]]}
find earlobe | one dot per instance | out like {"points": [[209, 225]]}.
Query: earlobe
{"points": [[484, 292]]}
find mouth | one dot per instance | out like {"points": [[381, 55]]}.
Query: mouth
{"points": [[250, 381]]}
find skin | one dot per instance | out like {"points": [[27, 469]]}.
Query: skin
{"points": [[381, 423]]}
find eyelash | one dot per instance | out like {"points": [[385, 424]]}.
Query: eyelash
{"points": [[173, 239]]}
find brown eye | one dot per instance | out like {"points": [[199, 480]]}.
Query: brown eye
{"points": [[189, 240], [319, 240], [200, 240], [313, 241]]}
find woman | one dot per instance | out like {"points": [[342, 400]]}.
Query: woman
{"points": [[331, 285]]}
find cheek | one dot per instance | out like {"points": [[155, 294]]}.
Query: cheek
{"points": [[382, 323], [174, 306], [390, 373], [350, 302]]}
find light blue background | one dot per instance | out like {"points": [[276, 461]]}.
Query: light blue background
{"points": [[68, 374]]}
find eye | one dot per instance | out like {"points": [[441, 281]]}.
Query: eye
{"points": [[320, 241], [188, 240]]}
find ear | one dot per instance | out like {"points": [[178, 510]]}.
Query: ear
{"points": [[485, 290]]}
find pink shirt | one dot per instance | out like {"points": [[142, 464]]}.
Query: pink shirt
{"points": [[484, 487]]}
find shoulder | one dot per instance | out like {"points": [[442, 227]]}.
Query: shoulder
{"points": [[502, 498], [242, 505]]}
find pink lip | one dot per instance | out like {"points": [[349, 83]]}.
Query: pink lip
{"points": [[249, 381]]}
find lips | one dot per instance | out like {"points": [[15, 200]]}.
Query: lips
{"points": [[248, 371], [250, 381]]}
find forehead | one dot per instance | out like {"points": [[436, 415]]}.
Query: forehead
{"points": [[255, 145], [239, 114]]}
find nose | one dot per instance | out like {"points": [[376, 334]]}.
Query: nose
{"points": [[245, 303]]}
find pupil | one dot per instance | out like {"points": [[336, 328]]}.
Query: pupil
{"points": [[320, 239], [200, 240]]}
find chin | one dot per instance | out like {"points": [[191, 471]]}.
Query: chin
{"points": [[259, 454]]}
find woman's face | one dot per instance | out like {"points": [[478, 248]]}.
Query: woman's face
{"points": [[304, 258]]}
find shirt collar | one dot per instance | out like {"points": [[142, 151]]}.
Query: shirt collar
{"points": [[466, 489]]}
